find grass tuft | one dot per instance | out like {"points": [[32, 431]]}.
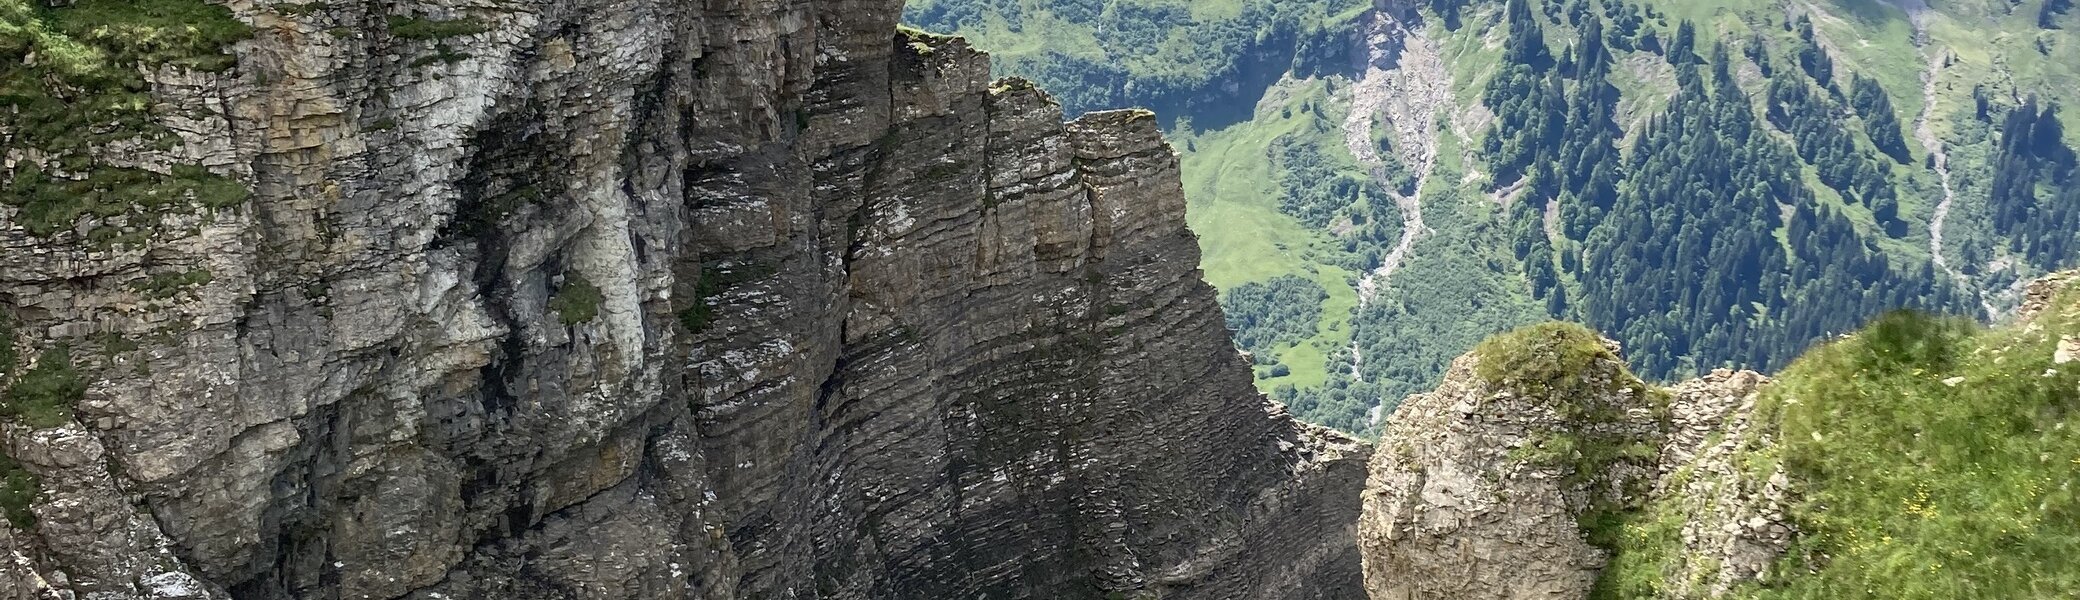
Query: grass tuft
{"points": [[422, 28], [84, 91], [1936, 460], [578, 301], [44, 395], [18, 489]]}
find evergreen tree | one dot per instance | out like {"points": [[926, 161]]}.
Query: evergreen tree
{"points": [[2047, 16], [1686, 270], [1875, 106], [1683, 49], [1811, 57], [2032, 197]]}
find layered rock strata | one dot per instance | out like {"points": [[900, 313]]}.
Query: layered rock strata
{"points": [[637, 299]]}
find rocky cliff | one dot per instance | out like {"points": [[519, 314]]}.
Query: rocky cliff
{"points": [[1517, 476], [1478, 487], [616, 299]]}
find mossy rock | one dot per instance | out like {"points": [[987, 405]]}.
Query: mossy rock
{"points": [[7, 355], [85, 91], [1562, 361], [168, 285], [578, 301], [423, 28], [18, 489], [44, 395], [714, 279]]}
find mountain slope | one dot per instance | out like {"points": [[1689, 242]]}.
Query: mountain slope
{"points": [[1830, 160]]}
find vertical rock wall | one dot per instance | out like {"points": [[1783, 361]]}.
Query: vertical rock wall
{"points": [[635, 299]]}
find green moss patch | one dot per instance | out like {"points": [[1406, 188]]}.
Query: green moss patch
{"points": [[18, 489], [1570, 367], [422, 28], [83, 91], [715, 278], [7, 355], [44, 395], [168, 285], [578, 301], [1548, 360]]}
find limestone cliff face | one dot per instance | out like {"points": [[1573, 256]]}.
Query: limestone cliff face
{"points": [[637, 299]]}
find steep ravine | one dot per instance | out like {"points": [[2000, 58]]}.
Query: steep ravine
{"points": [[1403, 81], [638, 299]]}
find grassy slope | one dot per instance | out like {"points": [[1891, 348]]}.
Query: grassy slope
{"points": [[1924, 489], [1233, 187], [1931, 459]]}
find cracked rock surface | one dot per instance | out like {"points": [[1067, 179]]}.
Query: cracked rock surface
{"points": [[641, 299]]}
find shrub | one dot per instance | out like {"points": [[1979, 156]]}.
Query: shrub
{"points": [[577, 301], [1283, 310], [18, 489]]}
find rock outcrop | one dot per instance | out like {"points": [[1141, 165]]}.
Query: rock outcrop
{"points": [[1540, 468], [1733, 521], [1477, 489], [638, 299], [1511, 479]]}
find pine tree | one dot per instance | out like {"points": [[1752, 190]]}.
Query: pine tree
{"points": [[1811, 56], [1684, 48], [1875, 106]]}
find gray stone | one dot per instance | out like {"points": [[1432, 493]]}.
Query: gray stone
{"points": [[863, 325]]}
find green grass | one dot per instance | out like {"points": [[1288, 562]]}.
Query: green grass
{"points": [[84, 91], [43, 396], [1548, 360], [168, 285], [577, 301], [1568, 365], [1929, 458], [422, 28], [1470, 54], [1999, 48], [18, 489], [7, 355], [1232, 184], [1917, 488]]}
